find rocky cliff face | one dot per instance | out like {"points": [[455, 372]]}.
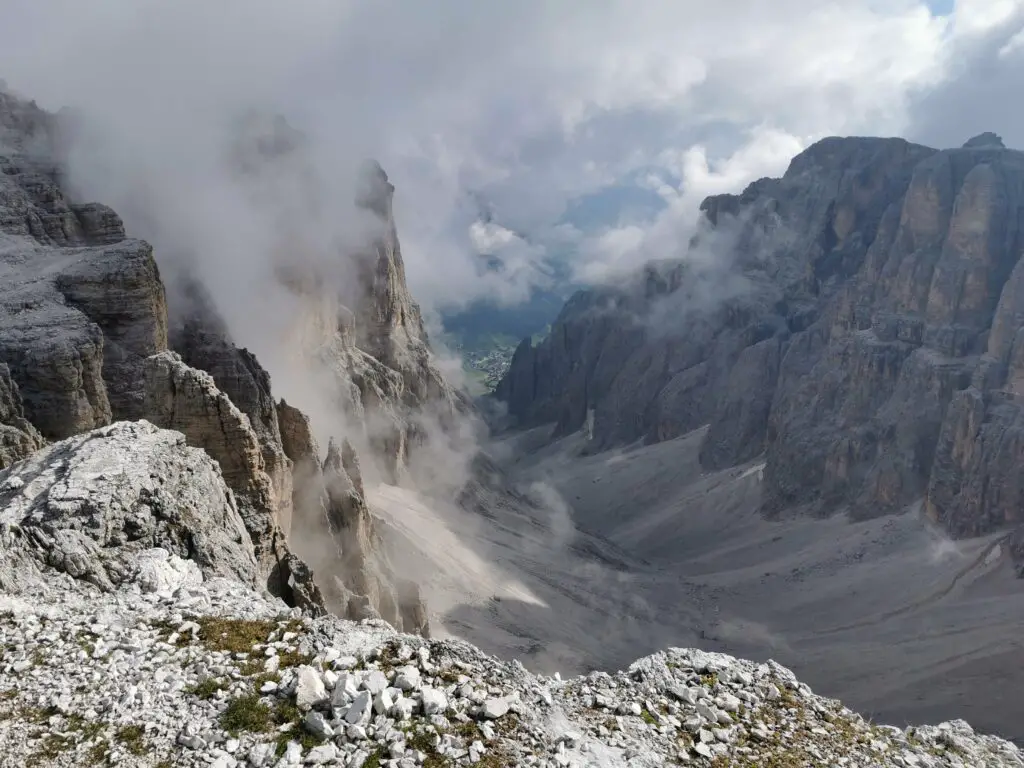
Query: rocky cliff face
{"points": [[359, 323], [18, 438], [85, 341], [871, 350], [81, 306]]}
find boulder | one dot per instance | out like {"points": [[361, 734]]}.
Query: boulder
{"points": [[91, 504]]}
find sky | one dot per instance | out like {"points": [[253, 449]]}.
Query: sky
{"points": [[527, 110]]}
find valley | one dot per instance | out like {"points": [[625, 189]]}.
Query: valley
{"points": [[887, 614]]}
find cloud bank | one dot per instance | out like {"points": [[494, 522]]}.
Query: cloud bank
{"points": [[528, 105]]}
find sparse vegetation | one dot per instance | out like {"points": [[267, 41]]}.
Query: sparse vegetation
{"points": [[285, 713], [218, 633], [246, 713], [448, 675], [133, 739], [98, 752], [52, 746], [208, 688], [293, 658]]}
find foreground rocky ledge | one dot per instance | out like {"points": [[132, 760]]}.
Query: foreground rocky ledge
{"points": [[173, 670]]}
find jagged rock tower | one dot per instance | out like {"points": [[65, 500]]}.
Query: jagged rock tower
{"points": [[85, 341]]}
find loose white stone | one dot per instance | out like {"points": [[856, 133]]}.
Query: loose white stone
{"points": [[434, 701], [358, 712], [494, 708], [309, 689], [408, 679]]}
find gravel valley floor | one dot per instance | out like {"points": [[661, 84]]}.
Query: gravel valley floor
{"points": [[888, 615]]}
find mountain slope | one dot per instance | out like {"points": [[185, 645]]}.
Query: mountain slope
{"points": [[181, 660], [155, 498], [858, 321], [87, 339], [887, 614]]}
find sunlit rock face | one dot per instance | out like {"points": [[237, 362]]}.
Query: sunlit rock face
{"points": [[873, 350]]}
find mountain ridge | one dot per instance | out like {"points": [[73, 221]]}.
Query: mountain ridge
{"points": [[87, 339], [184, 580], [868, 348]]}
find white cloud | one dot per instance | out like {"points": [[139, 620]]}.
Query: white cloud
{"points": [[490, 238], [531, 102], [766, 152]]}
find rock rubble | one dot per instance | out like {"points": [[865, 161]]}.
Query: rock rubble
{"points": [[175, 670]]}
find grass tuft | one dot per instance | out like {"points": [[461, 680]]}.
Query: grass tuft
{"points": [[246, 713], [133, 739], [208, 688]]}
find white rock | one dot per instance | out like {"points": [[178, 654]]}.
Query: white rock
{"points": [[383, 702], [358, 712], [346, 688], [434, 701], [309, 689], [403, 709], [316, 723], [292, 754], [261, 755], [162, 573], [492, 709], [325, 753], [408, 679], [375, 682]]}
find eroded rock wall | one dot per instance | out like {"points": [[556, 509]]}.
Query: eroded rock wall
{"points": [[874, 352]]}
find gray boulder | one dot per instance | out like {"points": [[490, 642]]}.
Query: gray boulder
{"points": [[89, 505]]}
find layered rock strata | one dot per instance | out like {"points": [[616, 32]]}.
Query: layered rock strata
{"points": [[85, 342], [860, 324]]}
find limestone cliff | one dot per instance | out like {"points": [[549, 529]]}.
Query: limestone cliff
{"points": [[203, 341], [18, 438], [85, 341], [871, 348], [81, 306], [359, 323]]}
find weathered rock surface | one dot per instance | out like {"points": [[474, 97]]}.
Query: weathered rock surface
{"points": [[360, 323], [300, 446], [203, 341], [81, 306], [872, 350], [84, 337], [91, 504], [174, 670], [18, 438], [358, 579], [186, 399]]}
